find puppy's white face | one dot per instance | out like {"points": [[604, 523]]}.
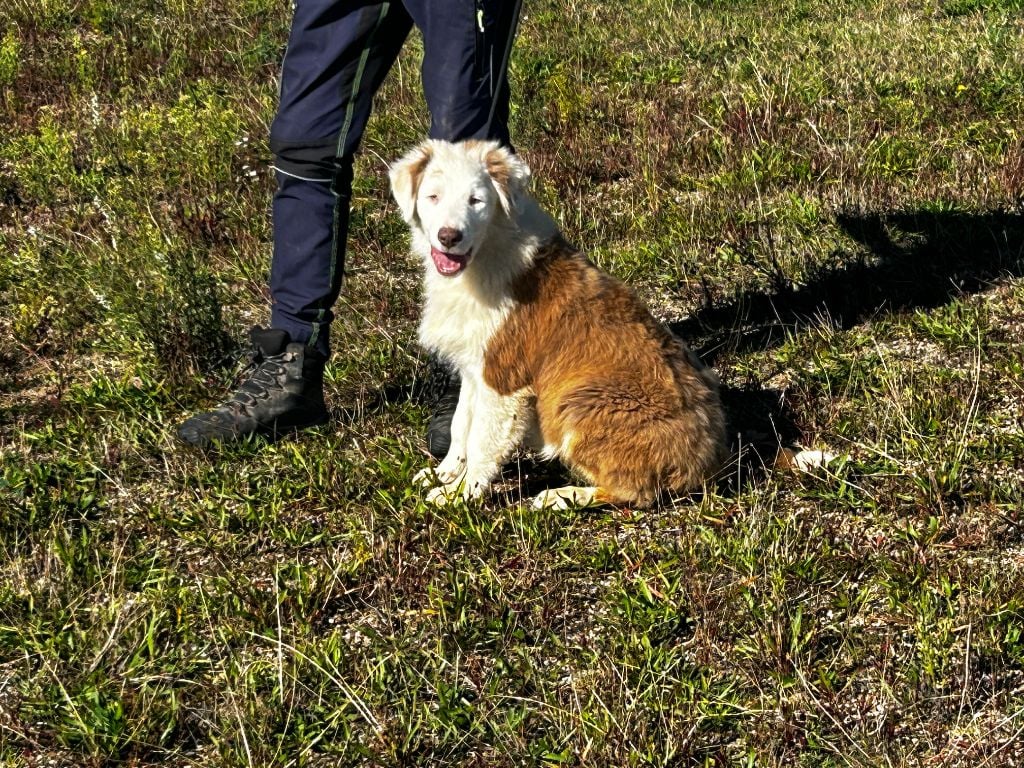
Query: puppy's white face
{"points": [[456, 203], [451, 194]]}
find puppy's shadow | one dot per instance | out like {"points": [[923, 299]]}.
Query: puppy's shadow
{"points": [[528, 475], [759, 424]]}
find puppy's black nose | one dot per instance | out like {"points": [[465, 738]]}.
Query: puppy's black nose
{"points": [[448, 236]]}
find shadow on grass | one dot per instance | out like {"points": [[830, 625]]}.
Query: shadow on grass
{"points": [[428, 386], [906, 261]]}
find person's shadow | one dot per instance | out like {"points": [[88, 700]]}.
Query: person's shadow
{"points": [[906, 261]]}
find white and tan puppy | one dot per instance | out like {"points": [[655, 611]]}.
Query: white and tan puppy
{"points": [[551, 350]]}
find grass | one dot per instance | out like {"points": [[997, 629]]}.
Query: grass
{"points": [[823, 196]]}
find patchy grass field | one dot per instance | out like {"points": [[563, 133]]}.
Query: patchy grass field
{"points": [[824, 196]]}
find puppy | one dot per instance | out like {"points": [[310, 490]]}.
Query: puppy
{"points": [[552, 352]]}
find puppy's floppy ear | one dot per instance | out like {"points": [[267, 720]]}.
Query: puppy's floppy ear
{"points": [[510, 175], [405, 177]]}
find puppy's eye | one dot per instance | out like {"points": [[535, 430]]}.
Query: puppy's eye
{"points": [[473, 200]]}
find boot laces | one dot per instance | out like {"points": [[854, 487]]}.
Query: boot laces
{"points": [[260, 374]]}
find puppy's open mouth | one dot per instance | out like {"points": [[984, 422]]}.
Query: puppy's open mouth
{"points": [[449, 264]]}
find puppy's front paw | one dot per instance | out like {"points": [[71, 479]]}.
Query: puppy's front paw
{"points": [[445, 473], [443, 495], [475, 489], [450, 469], [463, 489], [426, 478], [549, 500]]}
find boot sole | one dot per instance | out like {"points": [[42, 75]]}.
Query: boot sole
{"points": [[270, 433]]}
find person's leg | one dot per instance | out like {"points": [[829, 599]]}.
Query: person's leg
{"points": [[337, 57], [338, 53], [466, 46]]}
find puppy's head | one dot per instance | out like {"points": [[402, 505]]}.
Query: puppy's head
{"points": [[452, 194]]}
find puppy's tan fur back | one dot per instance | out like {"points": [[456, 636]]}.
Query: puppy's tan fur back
{"points": [[619, 398]]}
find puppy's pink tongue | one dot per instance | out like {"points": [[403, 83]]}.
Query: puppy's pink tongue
{"points": [[447, 263]]}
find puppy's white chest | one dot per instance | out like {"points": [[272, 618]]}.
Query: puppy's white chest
{"points": [[458, 326]]}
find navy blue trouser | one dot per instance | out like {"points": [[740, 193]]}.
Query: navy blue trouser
{"points": [[338, 54]]}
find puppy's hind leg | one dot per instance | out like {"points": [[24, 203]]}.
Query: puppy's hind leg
{"points": [[571, 496]]}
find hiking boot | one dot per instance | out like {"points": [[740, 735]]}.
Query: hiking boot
{"points": [[439, 428], [282, 390]]}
